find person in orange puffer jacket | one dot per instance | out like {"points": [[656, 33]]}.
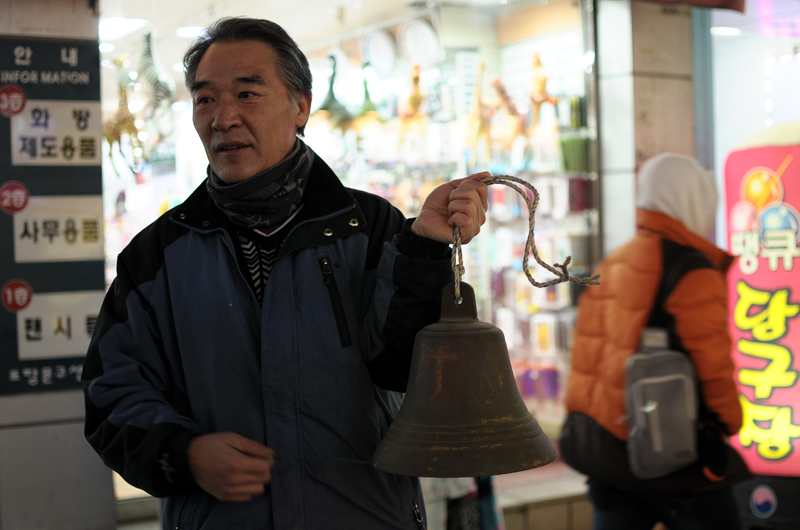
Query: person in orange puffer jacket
{"points": [[676, 203]]}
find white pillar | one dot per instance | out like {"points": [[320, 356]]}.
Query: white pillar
{"points": [[646, 102], [50, 478]]}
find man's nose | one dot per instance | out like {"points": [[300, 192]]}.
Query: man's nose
{"points": [[226, 116]]}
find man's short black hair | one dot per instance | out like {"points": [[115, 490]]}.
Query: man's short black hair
{"points": [[292, 63]]}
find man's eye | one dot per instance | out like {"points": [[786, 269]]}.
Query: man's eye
{"points": [[202, 100], [246, 95]]}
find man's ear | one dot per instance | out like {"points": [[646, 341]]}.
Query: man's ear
{"points": [[303, 108]]}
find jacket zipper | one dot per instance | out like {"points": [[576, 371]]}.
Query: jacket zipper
{"points": [[336, 301], [418, 516], [417, 512]]}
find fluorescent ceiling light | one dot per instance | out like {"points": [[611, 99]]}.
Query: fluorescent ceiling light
{"points": [[112, 28], [106, 47], [190, 32], [724, 31]]}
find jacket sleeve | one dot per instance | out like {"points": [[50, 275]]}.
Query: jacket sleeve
{"points": [[700, 309], [403, 295], [131, 420]]}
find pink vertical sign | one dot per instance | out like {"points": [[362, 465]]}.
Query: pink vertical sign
{"points": [[762, 201]]}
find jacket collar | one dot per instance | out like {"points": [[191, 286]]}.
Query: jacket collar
{"points": [[326, 201], [672, 229]]}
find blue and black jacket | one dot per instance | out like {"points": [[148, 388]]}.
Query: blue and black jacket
{"points": [[182, 348]]}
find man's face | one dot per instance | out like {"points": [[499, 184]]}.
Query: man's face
{"points": [[242, 109]]}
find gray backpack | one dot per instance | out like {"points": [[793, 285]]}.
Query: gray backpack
{"points": [[662, 408], [661, 388]]}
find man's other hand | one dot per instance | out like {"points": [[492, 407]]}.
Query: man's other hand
{"points": [[461, 202], [230, 467]]}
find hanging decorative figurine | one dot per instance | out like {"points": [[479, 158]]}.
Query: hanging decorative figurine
{"points": [[159, 115], [123, 123]]}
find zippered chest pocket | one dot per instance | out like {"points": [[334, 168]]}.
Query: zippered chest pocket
{"points": [[329, 281]]}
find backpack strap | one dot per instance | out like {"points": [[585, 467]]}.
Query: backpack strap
{"points": [[678, 260]]}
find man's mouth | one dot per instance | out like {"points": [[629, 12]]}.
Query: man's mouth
{"points": [[230, 146]]}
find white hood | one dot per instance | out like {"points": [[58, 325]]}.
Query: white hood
{"points": [[678, 186]]}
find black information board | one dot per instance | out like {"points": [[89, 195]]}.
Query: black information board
{"points": [[51, 210]]}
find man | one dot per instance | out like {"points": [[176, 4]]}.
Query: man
{"points": [[248, 357], [676, 206]]}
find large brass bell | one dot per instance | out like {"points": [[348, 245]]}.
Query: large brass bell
{"points": [[462, 415]]}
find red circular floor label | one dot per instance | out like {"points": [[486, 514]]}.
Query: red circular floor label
{"points": [[17, 295], [13, 197], [12, 100]]}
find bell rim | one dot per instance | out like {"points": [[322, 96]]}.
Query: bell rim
{"points": [[471, 460]]}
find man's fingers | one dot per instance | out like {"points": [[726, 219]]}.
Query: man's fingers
{"points": [[247, 469], [478, 176], [240, 485], [469, 229], [467, 209], [250, 488], [242, 468], [468, 201], [460, 202], [251, 448], [470, 181], [229, 466], [244, 493], [480, 188]]}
